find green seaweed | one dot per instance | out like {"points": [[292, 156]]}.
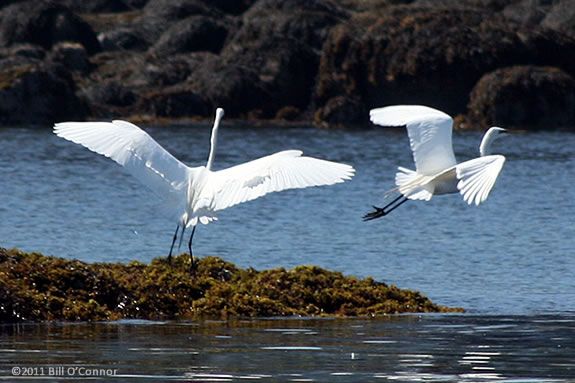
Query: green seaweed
{"points": [[38, 287]]}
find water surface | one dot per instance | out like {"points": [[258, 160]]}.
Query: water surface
{"points": [[512, 255]]}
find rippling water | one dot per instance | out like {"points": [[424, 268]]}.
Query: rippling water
{"points": [[514, 254], [510, 262], [403, 348]]}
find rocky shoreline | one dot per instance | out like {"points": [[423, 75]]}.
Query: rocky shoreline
{"points": [[34, 287], [506, 62]]}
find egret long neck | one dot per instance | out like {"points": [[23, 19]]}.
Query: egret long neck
{"points": [[214, 139], [488, 138]]}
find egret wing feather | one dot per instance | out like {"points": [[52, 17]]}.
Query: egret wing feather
{"points": [[477, 177], [429, 133], [277, 172], [134, 149]]}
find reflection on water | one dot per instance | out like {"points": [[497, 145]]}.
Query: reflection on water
{"points": [[462, 348]]}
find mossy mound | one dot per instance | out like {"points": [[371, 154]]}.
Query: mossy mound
{"points": [[38, 287]]}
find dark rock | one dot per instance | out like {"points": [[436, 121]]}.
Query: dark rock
{"points": [[280, 41], [558, 15], [110, 93], [236, 88], [561, 17], [195, 33], [159, 15], [102, 6], [23, 50], [234, 7], [288, 113], [307, 22], [123, 38], [427, 56], [84, 6], [44, 24], [72, 55], [39, 94], [176, 102], [339, 111], [525, 97]]}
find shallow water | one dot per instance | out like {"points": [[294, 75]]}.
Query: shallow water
{"points": [[510, 262], [402, 348]]}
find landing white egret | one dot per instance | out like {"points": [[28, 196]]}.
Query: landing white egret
{"points": [[195, 195], [437, 172]]}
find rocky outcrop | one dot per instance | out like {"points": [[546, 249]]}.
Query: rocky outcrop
{"points": [[44, 24], [424, 55], [525, 97], [329, 61], [38, 93]]}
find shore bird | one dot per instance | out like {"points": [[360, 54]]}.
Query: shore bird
{"points": [[195, 195], [437, 171]]}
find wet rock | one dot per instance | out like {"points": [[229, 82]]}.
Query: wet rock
{"points": [[524, 97], [36, 288], [234, 7], [279, 42], [426, 55], [121, 39], [84, 6], [556, 15], [110, 93], [38, 94], [561, 17], [160, 15], [45, 24], [236, 88], [72, 55], [176, 102], [304, 21], [339, 111], [195, 33]]}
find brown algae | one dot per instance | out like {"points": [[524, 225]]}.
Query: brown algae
{"points": [[36, 287]]}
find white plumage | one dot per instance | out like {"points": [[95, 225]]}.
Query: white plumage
{"points": [[195, 194], [437, 171]]}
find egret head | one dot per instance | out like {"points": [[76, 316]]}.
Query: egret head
{"points": [[491, 135], [219, 115]]}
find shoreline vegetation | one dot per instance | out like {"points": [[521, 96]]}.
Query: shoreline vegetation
{"points": [[35, 287]]}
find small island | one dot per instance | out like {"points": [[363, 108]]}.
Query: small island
{"points": [[35, 287]]}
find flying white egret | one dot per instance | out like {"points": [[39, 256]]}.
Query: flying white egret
{"points": [[195, 195], [437, 172]]}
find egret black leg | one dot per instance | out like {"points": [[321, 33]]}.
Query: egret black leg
{"points": [[381, 211], [173, 242], [396, 205], [192, 264], [181, 236]]}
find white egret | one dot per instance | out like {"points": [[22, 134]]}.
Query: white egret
{"points": [[437, 172], [194, 195]]}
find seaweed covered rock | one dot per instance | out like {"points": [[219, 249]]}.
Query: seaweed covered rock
{"points": [[195, 33], [526, 97], [38, 93], [44, 23], [427, 55], [37, 287], [556, 15], [279, 41]]}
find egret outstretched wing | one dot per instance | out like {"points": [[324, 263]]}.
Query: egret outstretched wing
{"points": [[429, 133], [279, 171], [132, 148], [477, 177]]}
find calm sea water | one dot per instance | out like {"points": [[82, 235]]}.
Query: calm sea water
{"points": [[510, 262]]}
